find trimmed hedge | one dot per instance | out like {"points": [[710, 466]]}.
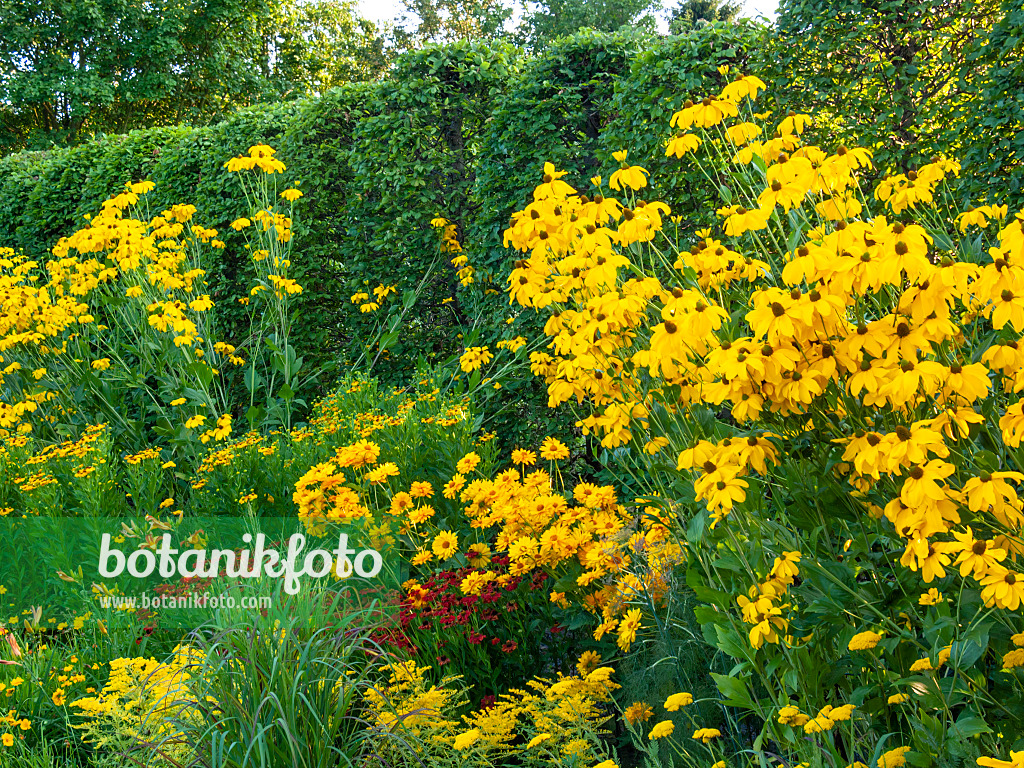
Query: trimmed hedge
{"points": [[460, 131]]}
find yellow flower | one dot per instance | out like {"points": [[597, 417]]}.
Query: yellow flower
{"points": [[291, 195], [1016, 761], [662, 729], [706, 734], [633, 176], [475, 357], [792, 716], [453, 486], [538, 739], [898, 698], [628, 628], [467, 739], [681, 145], [588, 661], [931, 597], [527, 458], [677, 700], [739, 219], [421, 557], [467, 463], [8, 740], [195, 421], [479, 555], [445, 545], [894, 758], [420, 490], [864, 641], [102, 364], [553, 449], [637, 712]]}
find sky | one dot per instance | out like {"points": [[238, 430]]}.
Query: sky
{"points": [[386, 10]]}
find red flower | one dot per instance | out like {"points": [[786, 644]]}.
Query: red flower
{"points": [[509, 646]]}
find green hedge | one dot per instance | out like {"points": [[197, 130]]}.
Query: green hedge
{"points": [[461, 131]]}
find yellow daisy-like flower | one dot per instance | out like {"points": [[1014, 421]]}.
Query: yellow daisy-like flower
{"points": [[420, 490], [445, 545], [527, 458], [468, 463], [553, 449]]}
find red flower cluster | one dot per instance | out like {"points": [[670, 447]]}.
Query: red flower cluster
{"points": [[439, 603]]}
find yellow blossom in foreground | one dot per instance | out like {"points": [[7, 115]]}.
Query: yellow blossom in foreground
{"points": [[637, 712], [706, 734], [677, 700], [864, 641], [1016, 761], [662, 729], [445, 545], [553, 449], [894, 758], [538, 739], [467, 739]]}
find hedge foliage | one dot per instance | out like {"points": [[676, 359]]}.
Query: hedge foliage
{"points": [[458, 131]]}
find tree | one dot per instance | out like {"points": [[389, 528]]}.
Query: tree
{"points": [[897, 77], [321, 44], [995, 151], [70, 70], [549, 20], [427, 22], [690, 13]]}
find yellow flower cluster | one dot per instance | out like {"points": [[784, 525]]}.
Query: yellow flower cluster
{"points": [[142, 699], [864, 315], [560, 717], [448, 233]]}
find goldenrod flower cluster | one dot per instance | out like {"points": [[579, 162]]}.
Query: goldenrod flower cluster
{"points": [[549, 719], [141, 700]]}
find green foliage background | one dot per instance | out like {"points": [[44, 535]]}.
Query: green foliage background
{"points": [[462, 131]]}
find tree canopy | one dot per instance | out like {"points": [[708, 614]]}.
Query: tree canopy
{"points": [[70, 70], [899, 76]]}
